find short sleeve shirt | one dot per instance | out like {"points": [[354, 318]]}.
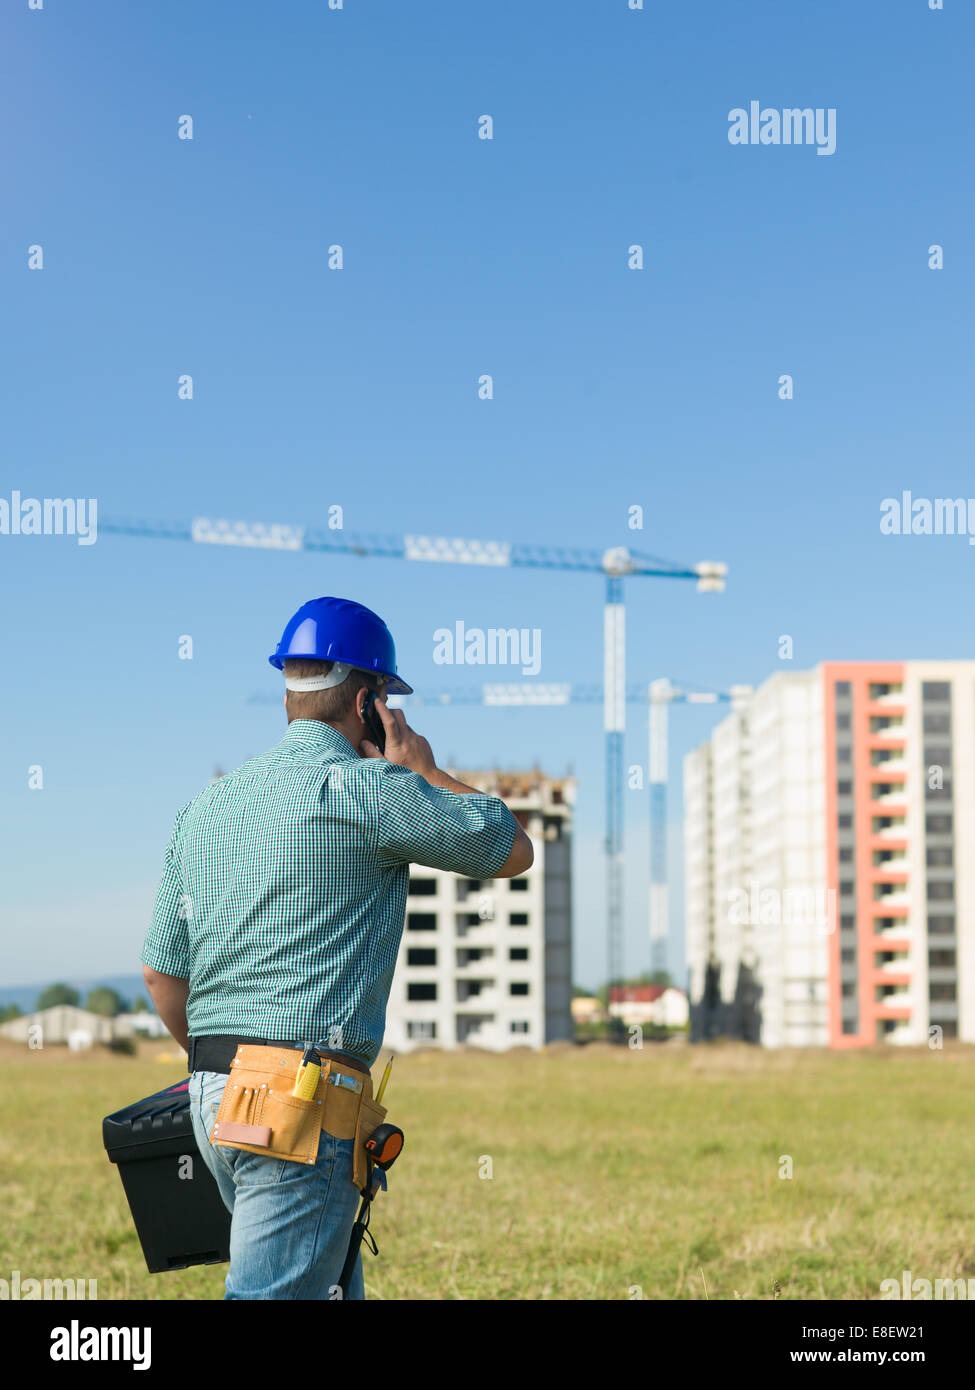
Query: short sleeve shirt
{"points": [[284, 887]]}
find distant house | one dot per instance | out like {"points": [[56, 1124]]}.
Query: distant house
{"points": [[586, 1008], [64, 1023], [79, 1028], [142, 1025], [638, 1004]]}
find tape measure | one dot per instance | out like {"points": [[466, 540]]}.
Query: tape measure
{"points": [[384, 1145]]}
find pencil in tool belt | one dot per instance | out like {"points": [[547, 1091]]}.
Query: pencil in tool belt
{"points": [[382, 1084]]}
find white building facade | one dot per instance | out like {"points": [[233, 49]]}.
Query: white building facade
{"points": [[488, 963], [829, 828]]}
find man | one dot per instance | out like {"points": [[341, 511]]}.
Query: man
{"points": [[279, 918]]}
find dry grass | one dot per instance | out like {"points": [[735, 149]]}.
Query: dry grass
{"points": [[612, 1171]]}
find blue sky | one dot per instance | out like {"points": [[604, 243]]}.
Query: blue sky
{"points": [[357, 388]]}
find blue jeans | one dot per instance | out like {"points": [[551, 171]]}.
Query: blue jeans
{"points": [[290, 1222]]}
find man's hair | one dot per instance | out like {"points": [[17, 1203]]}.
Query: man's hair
{"points": [[327, 705]]}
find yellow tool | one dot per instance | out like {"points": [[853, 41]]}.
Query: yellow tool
{"points": [[306, 1082], [382, 1084]]}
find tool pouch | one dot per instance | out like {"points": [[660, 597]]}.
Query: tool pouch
{"points": [[258, 1113], [371, 1117]]}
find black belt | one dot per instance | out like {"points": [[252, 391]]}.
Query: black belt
{"points": [[215, 1053]]}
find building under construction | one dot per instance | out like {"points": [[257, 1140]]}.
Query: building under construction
{"points": [[488, 963]]}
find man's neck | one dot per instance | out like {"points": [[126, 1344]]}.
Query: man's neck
{"points": [[345, 728]]}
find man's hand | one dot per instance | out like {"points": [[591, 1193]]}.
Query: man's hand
{"points": [[404, 745], [410, 749]]}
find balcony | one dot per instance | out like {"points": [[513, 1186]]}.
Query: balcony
{"points": [[485, 1000], [898, 765], [899, 939], [886, 900], [891, 704], [896, 863], [473, 965], [897, 796], [893, 975], [897, 832]]}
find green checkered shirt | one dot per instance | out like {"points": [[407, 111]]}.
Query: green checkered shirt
{"points": [[283, 894]]}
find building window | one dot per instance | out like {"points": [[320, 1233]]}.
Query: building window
{"points": [[941, 960], [416, 992], [846, 822], [421, 955], [937, 723], [941, 926], [844, 754], [935, 690], [937, 757], [519, 1025], [842, 721], [421, 921], [849, 989], [842, 687], [939, 891], [844, 788], [422, 887], [938, 825], [518, 953], [848, 956], [847, 888], [848, 923], [518, 919], [940, 858], [846, 856], [849, 1025], [422, 1030], [518, 885], [517, 988], [942, 993]]}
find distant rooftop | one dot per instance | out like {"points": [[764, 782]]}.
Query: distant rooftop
{"points": [[520, 785]]}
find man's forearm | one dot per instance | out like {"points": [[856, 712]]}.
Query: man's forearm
{"points": [[522, 854], [169, 994], [438, 778]]}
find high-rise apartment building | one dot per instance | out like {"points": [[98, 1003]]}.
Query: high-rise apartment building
{"points": [[489, 962], [829, 899]]}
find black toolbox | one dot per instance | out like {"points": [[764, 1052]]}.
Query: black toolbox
{"points": [[175, 1202]]}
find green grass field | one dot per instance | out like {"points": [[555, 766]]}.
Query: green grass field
{"points": [[611, 1169]]}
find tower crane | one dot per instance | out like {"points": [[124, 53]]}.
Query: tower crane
{"points": [[615, 565]]}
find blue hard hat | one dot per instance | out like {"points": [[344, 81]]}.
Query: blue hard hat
{"points": [[337, 629]]}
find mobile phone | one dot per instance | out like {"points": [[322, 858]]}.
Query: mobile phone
{"points": [[374, 724]]}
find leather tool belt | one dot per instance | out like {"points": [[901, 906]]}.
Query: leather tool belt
{"points": [[216, 1052], [259, 1114]]}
